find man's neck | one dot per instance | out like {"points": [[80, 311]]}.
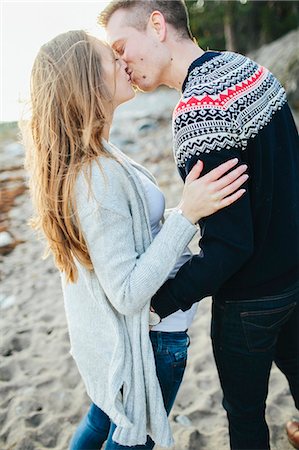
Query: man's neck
{"points": [[182, 56]]}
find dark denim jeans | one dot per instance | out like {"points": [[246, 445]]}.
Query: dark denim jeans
{"points": [[247, 337], [170, 350]]}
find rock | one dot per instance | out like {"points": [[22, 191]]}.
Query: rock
{"points": [[292, 83], [183, 420], [5, 239], [7, 197], [145, 125], [34, 420], [26, 443], [13, 344], [6, 372], [7, 242], [25, 406], [47, 435], [282, 58], [6, 301], [190, 439]]}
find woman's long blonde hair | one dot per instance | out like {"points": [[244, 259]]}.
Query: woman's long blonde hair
{"points": [[63, 136]]}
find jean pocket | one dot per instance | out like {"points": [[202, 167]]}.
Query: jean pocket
{"points": [[179, 362], [261, 328]]}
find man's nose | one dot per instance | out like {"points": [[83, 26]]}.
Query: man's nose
{"points": [[124, 62], [124, 65]]}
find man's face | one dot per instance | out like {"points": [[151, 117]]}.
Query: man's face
{"points": [[141, 51]]}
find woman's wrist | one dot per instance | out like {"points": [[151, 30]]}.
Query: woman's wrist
{"points": [[181, 210]]}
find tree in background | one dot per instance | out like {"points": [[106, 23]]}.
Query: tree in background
{"points": [[241, 25]]}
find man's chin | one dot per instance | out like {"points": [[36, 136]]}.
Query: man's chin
{"points": [[142, 85], [143, 88]]}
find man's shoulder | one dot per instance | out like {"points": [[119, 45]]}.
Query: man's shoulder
{"points": [[229, 87], [219, 74], [226, 101]]}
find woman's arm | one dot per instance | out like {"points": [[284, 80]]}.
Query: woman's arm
{"points": [[128, 279]]}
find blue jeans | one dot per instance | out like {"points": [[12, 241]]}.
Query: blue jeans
{"points": [[170, 351], [247, 337]]}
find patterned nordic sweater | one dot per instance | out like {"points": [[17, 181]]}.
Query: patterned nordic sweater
{"points": [[233, 107]]}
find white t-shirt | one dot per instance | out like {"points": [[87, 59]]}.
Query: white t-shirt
{"points": [[179, 320]]}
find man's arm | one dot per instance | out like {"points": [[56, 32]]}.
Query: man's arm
{"points": [[226, 244]]}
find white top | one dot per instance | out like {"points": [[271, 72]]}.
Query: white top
{"points": [[179, 320]]}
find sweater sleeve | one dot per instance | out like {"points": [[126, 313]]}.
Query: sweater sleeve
{"points": [[128, 279], [226, 244]]}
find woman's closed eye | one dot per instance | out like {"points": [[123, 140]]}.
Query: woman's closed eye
{"points": [[116, 56]]}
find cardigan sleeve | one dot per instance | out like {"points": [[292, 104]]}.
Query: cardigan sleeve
{"points": [[128, 279]]}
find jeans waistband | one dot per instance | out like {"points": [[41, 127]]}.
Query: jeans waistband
{"points": [[164, 338]]}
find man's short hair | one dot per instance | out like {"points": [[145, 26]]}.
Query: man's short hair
{"points": [[174, 11]]}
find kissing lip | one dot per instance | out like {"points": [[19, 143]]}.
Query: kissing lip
{"points": [[129, 72]]}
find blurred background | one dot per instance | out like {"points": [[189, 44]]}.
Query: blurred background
{"points": [[250, 27], [243, 25], [41, 395]]}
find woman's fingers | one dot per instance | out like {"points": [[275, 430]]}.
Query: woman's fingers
{"points": [[231, 188], [230, 177], [194, 172], [216, 173], [231, 199], [205, 195]]}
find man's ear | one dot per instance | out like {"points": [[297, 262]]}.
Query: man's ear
{"points": [[158, 24]]}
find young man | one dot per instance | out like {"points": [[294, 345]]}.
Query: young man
{"points": [[249, 252]]}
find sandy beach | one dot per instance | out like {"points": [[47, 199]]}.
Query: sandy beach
{"points": [[42, 395]]}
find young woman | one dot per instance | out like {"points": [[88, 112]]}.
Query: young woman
{"points": [[101, 215]]}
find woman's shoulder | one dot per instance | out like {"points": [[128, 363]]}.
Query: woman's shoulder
{"points": [[100, 171], [103, 182], [108, 166]]}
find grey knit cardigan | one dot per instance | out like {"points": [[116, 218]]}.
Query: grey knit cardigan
{"points": [[107, 309]]}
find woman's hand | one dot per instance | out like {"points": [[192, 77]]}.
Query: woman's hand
{"points": [[206, 195]]}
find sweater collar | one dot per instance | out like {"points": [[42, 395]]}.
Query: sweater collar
{"points": [[206, 56]]}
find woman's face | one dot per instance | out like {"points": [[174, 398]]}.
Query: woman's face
{"points": [[115, 76]]}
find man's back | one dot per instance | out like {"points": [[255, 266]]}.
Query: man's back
{"points": [[273, 160]]}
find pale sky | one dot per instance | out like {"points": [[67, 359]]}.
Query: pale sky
{"points": [[25, 27]]}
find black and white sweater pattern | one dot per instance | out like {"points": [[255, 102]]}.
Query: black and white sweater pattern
{"points": [[225, 102]]}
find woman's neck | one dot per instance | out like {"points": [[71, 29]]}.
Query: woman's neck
{"points": [[106, 131]]}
